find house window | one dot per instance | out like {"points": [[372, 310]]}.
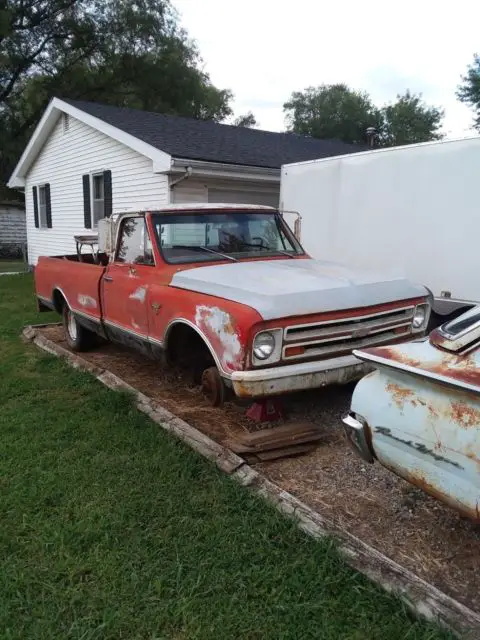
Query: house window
{"points": [[42, 207], [98, 198]]}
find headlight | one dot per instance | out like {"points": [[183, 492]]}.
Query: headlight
{"points": [[419, 316], [263, 345]]}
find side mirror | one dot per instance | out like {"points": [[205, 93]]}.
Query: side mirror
{"points": [[106, 236]]}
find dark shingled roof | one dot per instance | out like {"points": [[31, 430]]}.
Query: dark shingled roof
{"points": [[206, 140]]}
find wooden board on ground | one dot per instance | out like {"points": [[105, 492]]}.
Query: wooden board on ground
{"points": [[285, 437]]}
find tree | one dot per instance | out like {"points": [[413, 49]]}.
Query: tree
{"points": [[246, 120], [331, 111], [468, 91], [338, 112], [124, 53], [409, 120]]}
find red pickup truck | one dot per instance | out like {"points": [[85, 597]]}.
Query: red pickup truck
{"points": [[228, 291]]}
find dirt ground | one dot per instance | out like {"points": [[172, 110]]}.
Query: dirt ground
{"points": [[386, 512]]}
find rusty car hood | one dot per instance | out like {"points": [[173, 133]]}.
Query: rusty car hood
{"points": [[421, 358], [294, 287]]}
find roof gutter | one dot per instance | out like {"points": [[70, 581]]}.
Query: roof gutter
{"points": [[205, 169]]}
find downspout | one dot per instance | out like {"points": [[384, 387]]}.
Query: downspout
{"points": [[187, 174]]}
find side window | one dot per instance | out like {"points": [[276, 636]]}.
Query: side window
{"points": [[135, 246]]}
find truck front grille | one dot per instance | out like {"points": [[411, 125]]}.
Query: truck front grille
{"points": [[332, 337]]}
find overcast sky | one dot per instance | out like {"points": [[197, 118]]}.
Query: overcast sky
{"points": [[265, 49]]}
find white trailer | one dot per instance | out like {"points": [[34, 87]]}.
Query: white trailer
{"points": [[413, 211]]}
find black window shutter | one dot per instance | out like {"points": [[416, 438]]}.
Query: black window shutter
{"points": [[107, 193], [35, 207], [87, 207], [48, 206]]}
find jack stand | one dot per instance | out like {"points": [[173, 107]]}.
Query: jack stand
{"points": [[265, 410]]}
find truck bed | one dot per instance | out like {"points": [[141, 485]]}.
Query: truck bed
{"points": [[78, 283]]}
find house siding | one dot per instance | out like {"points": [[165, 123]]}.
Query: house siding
{"points": [[64, 159], [13, 232], [234, 190]]}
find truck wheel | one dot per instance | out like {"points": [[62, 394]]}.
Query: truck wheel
{"points": [[78, 338], [213, 387]]}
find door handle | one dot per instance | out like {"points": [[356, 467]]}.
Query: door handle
{"points": [[108, 278]]}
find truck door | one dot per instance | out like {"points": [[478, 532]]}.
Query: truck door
{"points": [[125, 285]]}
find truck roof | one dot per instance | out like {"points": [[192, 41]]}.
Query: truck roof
{"points": [[196, 206], [189, 206]]}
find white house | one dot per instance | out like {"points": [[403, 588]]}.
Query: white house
{"points": [[87, 160]]}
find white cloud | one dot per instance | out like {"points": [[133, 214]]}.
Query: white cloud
{"points": [[265, 49]]}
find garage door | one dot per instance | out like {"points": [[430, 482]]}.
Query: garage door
{"points": [[244, 197]]}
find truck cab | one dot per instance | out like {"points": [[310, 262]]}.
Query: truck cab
{"points": [[229, 292]]}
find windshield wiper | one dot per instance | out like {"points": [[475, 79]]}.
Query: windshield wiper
{"points": [[265, 246], [200, 248]]}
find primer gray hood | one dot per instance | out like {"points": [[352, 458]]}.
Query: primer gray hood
{"points": [[282, 288]]}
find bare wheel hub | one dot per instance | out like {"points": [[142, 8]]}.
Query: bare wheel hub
{"points": [[213, 387]]}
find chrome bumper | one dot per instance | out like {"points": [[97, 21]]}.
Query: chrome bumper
{"points": [[297, 377], [356, 434]]}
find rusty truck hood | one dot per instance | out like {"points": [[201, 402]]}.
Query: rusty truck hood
{"points": [[283, 288]]}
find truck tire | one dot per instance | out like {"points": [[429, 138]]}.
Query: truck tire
{"points": [[213, 387], [78, 338]]}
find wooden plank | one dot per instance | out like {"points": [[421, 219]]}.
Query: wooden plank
{"points": [[274, 454], [420, 596], [274, 438]]}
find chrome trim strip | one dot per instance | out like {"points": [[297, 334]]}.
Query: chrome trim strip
{"points": [[422, 373], [350, 335], [349, 318], [312, 353], [115, 325], [87, 315]]}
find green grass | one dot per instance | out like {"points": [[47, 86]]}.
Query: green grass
{"points": [[110, 528], [7, 266]]}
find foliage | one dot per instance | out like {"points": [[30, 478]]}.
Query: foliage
{"points": [[410, 120], [246, 120], [338, 112], [111, 51], [112, 529], [331, 111], [468, 91]]}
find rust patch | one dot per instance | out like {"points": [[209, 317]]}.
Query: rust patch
{"points": [[400, 395], [390, 353], [464, 415]]}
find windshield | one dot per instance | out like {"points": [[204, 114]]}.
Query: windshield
{"points": [[211, 236]]}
